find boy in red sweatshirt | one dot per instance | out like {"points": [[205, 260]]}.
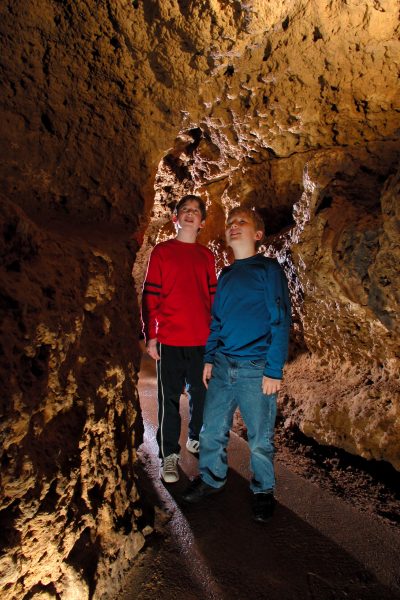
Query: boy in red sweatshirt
{"points": [[176, 312]]}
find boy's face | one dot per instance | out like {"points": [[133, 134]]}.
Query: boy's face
{"points": [[189, 216], [241, 231]]}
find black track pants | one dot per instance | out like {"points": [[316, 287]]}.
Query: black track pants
{"points": [[178, 366]]}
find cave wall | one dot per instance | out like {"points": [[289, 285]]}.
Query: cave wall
{"points": [[344, 389], [70, 511], [110, 111], [301, 121]]}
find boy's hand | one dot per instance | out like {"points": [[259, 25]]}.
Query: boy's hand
{"points": [[152, 351], [207, 373], [271, 386]]}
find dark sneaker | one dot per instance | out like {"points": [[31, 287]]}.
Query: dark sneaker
{"points": [[263, 505], [197, 490]]}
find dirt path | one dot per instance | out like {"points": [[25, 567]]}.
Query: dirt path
{"points": [[316, 547]]}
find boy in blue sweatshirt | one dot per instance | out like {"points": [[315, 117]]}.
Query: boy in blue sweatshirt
{"points": [[244, 357]]}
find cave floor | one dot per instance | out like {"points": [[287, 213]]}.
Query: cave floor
{"points": [[316, 547]]}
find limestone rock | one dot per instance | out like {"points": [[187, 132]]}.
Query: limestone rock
{"points": [[109, 112], [70, 420]]}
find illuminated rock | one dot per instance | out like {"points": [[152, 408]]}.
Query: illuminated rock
{"points": [[109, 112]]}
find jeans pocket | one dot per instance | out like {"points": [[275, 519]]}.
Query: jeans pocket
{"points": [[258, 363]]}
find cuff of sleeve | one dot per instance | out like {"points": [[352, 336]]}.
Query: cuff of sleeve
{"points": [[151, 335], [273, 373]]}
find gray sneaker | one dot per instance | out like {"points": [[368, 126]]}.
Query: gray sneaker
{"points": [[169, 470]]}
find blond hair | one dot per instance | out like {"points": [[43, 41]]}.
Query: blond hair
{"points": [[254, 216]]}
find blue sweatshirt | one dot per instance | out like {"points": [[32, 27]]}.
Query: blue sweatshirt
{"points": [[251, 314]]}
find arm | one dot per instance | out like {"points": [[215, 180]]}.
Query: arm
{"points": [[212, 342], [152, 351], [212, 278], [270, 386], [151, 300], [278, 304], [207, 371]]}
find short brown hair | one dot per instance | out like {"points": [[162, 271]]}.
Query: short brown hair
{"points": [[198, 199], [254, 216]]}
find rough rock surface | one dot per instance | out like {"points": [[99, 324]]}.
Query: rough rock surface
{"points": [[108, 107], [344, 390], [69, 509], [299, 123]]}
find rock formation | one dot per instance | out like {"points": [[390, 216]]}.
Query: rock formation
{"points": [[109, 111]]}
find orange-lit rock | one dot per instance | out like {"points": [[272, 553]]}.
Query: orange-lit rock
{"points": [[344, 390], [110, 111], [70, 421]]}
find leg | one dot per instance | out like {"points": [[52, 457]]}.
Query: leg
{"points": [[196, 389], [170, 379], [259, 413], [219, 407]]}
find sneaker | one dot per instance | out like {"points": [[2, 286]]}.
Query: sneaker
{"points": [[193, 446], [263, 505], [169, 469], [198, 490]]}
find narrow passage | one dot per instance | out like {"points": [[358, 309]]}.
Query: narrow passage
{"points": [[316, 547]]}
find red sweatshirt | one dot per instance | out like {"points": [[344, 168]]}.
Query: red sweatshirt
{"points": [[177, 294]]}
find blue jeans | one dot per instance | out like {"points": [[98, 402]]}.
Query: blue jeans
{"points": [[238, 383]]}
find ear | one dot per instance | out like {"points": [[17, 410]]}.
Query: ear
{"points": [[174, 218], [202, 224], [258, 235]]}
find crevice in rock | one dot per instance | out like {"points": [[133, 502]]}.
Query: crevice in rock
{"points": [[84, 557]]}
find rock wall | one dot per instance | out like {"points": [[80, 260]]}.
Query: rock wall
{"points": [[70, 510], [344, 389], [301, 121], [111, 110]]}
